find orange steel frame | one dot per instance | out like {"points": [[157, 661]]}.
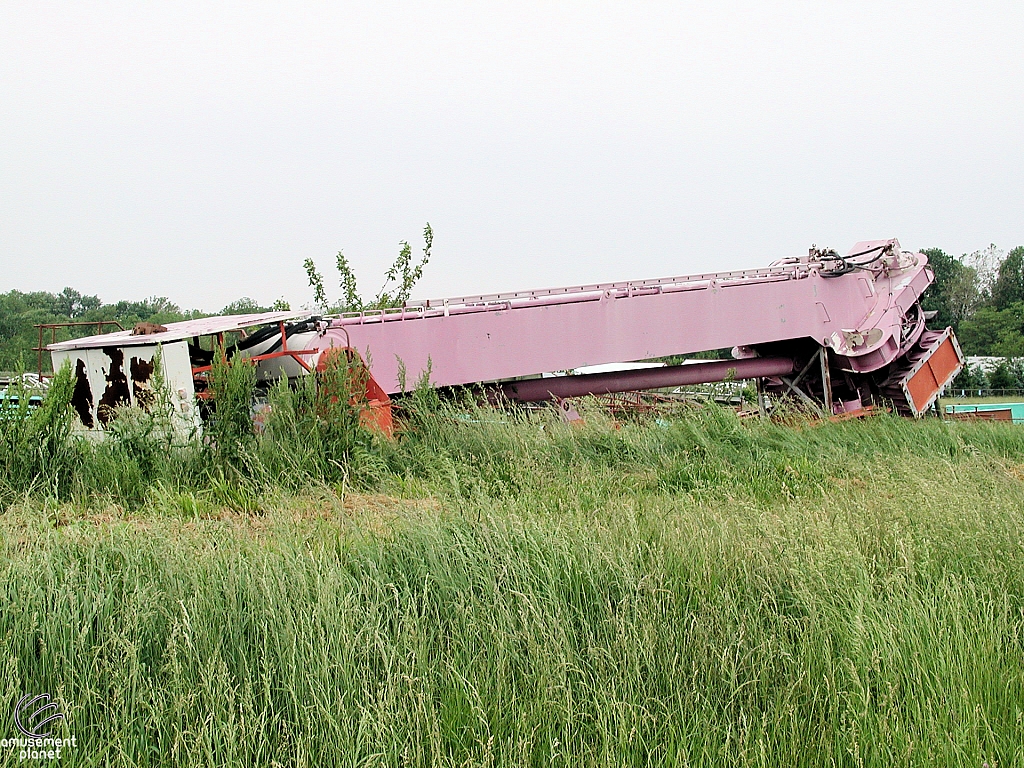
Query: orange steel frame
{"points": [[377, 414], [296, 354], [52, 327]]}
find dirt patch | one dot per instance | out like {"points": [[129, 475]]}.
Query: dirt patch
{"points": [[378, 513], [375, 514]]}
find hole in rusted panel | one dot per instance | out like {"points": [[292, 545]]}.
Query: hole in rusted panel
{"points": [[116, 393], [141, 371], [81, 397]]}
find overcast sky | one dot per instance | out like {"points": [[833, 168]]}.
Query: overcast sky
{"points": [[202, 151]]}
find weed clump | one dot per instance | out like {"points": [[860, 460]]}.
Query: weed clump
{"points": [[37, 456]]}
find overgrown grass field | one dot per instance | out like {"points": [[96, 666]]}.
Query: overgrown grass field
{"points": [[503, 589]]}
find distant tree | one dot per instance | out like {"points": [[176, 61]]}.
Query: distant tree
{"points": [[985, 262], [955, 293], [243, 306], [985, 298], [145, 309], [19, 312], [1006, 375], [990, 331], [70, 303], [1008, 286], [964, 284], [964, 294], [971, 378]]}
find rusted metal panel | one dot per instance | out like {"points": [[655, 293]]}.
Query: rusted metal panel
{"points": [[930, 375], [994, 414]]}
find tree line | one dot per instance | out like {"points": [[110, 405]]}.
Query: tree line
{"points": [[21, 311], [981, 296]]}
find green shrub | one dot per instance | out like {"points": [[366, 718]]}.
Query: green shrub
{"points": [[229, 427], [36, 452]]}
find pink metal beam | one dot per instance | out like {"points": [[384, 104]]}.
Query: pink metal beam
{"points": [[532, 390], [861, 314]]}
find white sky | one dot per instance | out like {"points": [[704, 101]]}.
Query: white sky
{"points": [[202, 151]]}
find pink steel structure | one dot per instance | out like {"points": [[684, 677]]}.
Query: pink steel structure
{"points": [[858, 315], [836, 332]]}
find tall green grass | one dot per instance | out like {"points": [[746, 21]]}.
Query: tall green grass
{"points": [[503, 589], [310, 435]]}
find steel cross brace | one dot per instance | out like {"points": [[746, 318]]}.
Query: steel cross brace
{"points": [[800, 393]]}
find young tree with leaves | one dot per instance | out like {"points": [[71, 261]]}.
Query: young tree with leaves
{"points": [[399, 280]]}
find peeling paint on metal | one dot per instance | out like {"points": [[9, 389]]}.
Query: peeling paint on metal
{"points": [[141, 371], [116, 394], [81, 397]]}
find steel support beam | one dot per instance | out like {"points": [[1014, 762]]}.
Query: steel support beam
{"points": [[533, 390]]}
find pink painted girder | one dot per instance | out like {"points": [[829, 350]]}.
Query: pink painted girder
{"points": [[863, 316]]}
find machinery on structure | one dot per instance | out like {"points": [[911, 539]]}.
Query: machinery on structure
{"points": [[837, 333]]}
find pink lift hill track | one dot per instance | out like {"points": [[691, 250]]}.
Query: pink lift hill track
{"points": [[836, 332]]}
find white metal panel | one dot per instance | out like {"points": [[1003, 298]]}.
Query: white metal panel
{"points": [[109, 375]]}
